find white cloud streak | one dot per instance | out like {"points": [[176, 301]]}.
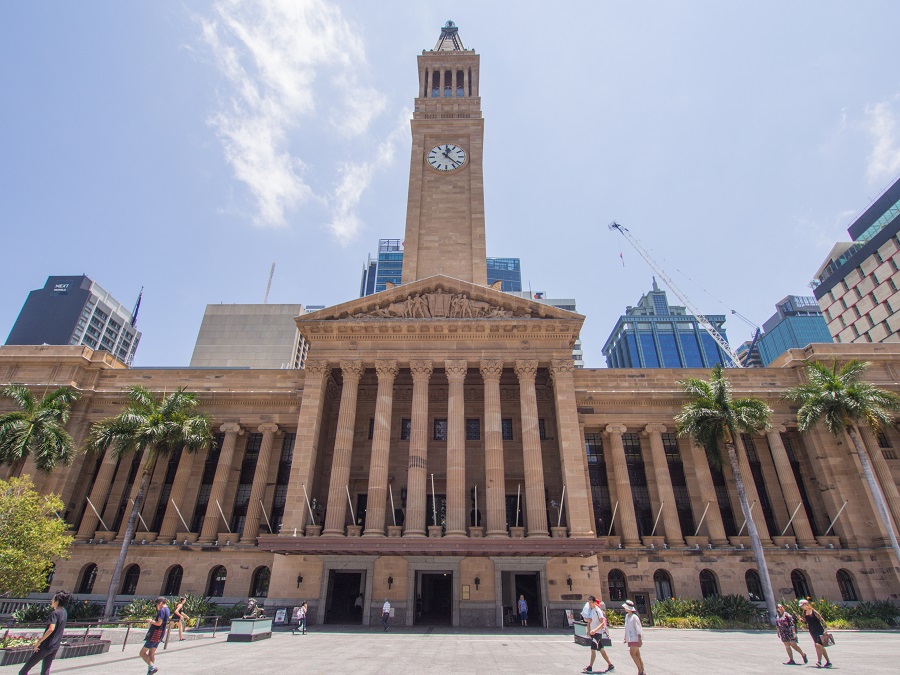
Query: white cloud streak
{"points": [[291, 65], [881, 123]]}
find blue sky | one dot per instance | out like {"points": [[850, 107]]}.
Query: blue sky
{"points": [[185, 147]]}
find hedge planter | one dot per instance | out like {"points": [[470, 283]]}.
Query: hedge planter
{"points": [[14, 655]]}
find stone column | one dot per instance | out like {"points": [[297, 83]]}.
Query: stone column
{"points": [[171, 522], [417, 476], [494, 473], [713, 520], [132, 496], [579, 505], [882, 474], [750, 488], [381, 448], [306, 446], [456, 449], [674, 535], [627, 518], [258, 489], [789, 488], [535, 499], [89, 519], [212, 521], [336, 514]]}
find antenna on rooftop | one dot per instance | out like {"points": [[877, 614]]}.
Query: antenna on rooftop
{"points": [[269, 285]]}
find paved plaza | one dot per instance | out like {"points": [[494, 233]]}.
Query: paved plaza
{"points": [[367, 650]]}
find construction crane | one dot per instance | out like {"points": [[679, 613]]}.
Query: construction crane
{"points": [[701, 319]]}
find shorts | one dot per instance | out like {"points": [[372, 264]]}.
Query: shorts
{"points": [[595, 643], [634, 644], [150, 645], [523, 615]]}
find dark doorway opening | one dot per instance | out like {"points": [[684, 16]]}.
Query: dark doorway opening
{"points": [[527, 584], [362, 502], [341, 606], [434, 598]]}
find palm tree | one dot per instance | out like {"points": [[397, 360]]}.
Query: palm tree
{"points": [[839, 400], [713, 416], [152, 428], [37, 429]]}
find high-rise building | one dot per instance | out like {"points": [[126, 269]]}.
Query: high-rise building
{"points": [[250, 336], [858, 285], [655, 334], [567, 304], [76, 311], [797, 322], [385, 269]]}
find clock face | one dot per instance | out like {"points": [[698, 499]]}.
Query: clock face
{"points": [[446, 157]]}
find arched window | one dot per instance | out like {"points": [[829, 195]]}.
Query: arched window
{"points": [[801, 584], [754, 586], [663, 584], [130, 580], [708, 584], [259, 586], [216, 586], [173, 580], [618, 590], [848, 588], [88, 577]]}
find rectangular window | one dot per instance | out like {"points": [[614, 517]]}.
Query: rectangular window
{"points": [[405, 429], [883, 441], [542, 428], [371, 428], [507, 429], [473, 429], [440, 429], [632, 445]]}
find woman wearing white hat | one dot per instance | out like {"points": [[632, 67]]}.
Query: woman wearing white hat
{"points": [[634, 634]]}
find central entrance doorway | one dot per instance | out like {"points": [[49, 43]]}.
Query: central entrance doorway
{"points": [[344, 600], [434, 598], [527, 584]]}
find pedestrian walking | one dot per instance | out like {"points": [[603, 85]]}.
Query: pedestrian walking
{"points": [[180, 617], [634, 635], [599, 632], [523, 610], [48, 644], [155, 635], [301, 619], [385, 613], [818, 630], [787, 633]]}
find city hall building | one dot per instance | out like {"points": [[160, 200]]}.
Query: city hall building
{"points": [[440, 450]]}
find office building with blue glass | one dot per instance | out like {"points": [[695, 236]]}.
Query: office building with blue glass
{"points": [[797, 323], [387, 267], [655, 334]]}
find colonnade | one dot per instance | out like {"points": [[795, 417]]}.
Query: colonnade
{"points": [[448, 77]]}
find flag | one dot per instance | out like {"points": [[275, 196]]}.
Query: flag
{"points": [[623, 258]]}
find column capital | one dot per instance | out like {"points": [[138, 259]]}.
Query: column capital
{"points": [[655, 429], [780, 429], [231, 428], [421, 368], [317, 368], [386, 369], [268, 427], [526, 368], [616, 429], [561, 367], [491, 369], [352, 369], [456, 369]]}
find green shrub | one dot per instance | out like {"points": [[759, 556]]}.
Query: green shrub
{"points": [[864, 623], [884, 610], [672, 608], [195, 606], [32, 613], [139, 609], [84, 611], [226, 614], [615, 618], [11, 641], [692, 622]]}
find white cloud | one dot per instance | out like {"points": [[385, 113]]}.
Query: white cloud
{"points": [[881, 123], [280, 57]]}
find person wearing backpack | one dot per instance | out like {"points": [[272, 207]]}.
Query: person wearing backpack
{"points": [[598, 629]]}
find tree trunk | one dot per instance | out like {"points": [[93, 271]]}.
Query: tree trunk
{"points": [[126, 542], [755, 542], [875, 489]]}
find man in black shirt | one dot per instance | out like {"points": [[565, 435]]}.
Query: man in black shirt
{"points": [[48, 644]]}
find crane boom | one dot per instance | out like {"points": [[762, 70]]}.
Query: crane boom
{"points": [[701, 319]]}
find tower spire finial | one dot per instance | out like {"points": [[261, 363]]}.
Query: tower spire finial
{"points": [[449, 40]]}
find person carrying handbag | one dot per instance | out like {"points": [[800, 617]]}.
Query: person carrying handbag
{"points": [[598, 629], [818, 631]]}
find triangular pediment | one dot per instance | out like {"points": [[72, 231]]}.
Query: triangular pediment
{"points": [[439, 297]]}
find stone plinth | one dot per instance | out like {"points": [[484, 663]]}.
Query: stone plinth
{"points": [[313, 530], [701, 541], [654, 541], [435, 531], [517, 532], [189, 537], [104, 535], [559, 532], [354, 530], [250, 630], [787, 541], [476, 532], [395, 531]]}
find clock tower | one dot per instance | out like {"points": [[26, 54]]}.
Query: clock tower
{"points": [[445, 210]]}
